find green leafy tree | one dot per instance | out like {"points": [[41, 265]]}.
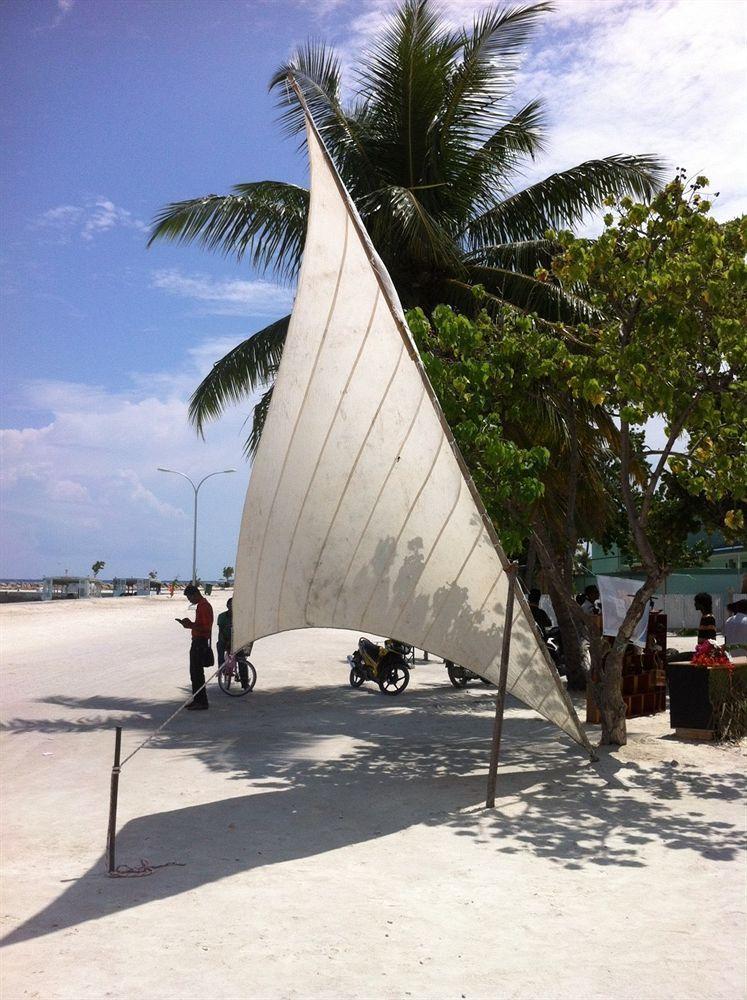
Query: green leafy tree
{"points": [[534, 448], [432, 147], [228, 572], [672, 285], [97, 567]]}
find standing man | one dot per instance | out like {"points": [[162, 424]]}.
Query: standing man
{"points": [[200, 652], [540, 615]]}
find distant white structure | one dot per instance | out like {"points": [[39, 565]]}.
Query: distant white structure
{"points": [[59, 587], [129, 586]]}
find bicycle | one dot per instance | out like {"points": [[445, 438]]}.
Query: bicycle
{"points": [[236, 675]]}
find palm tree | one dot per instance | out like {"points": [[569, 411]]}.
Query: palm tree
{"points": [[430, 148]]}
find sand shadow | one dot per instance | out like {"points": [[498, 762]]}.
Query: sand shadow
{"points": [[420, 760]]}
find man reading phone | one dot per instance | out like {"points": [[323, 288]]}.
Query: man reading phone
{"points": [[200, 651]]}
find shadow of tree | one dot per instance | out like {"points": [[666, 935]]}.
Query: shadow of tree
{"points": [[329, 767]]}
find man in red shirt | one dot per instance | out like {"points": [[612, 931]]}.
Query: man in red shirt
{"points": [[200, 652]]}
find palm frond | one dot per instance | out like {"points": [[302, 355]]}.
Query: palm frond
{"points": [[251, 365], [259, 416], [316, 70], [265, 218], [522, 135], [564, 199], [490, 58], [545, 298], [404, 79], [400, 222], [521, 255]]}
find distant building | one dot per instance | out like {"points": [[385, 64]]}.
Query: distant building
{"points": [[130, 586], [722, 576], [60, 587]]}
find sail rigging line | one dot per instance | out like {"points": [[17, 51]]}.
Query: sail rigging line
{"points": [[330, 313], [350, 477], [332, 422]]}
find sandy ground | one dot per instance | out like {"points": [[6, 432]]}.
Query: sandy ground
{"points": [[333, 843]]}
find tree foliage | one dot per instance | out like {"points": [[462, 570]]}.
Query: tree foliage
{"points": [[536, 406], [432, 146], [672, 285]]}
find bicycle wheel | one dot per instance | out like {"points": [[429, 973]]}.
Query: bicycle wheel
{"points": [[237, 678]]}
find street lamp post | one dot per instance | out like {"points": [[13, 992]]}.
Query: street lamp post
{"points": [[196, 488]]}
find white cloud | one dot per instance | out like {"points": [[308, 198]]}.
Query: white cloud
{"points": [[95, 216], [85, 485], [139, 493], [67, 490], [623, 76], [226, 297], [65, 5], [666, 78]]}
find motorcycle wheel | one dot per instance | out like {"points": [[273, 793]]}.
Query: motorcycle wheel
{"points": [[356, 677], [457, 676], [395, 679]]}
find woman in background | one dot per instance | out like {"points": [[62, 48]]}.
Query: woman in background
{"points": [[707, 627]]}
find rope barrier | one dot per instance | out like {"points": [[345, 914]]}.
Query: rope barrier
{"points": [[172, 716], [143, 869]]}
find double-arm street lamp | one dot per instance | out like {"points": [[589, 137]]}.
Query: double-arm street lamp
{"points": [[196, 488]]}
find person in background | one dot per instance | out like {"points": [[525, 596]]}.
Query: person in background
{"points": [[707, 628], [225, 639], [735, 628], [200, 652], [225, 625], [591, 600], [540, 616]]}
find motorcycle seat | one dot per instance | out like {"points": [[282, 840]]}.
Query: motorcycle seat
{"points": [[370, 649]]}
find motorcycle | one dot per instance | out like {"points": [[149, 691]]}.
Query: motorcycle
{"points": [[406, 651], [383, 664], [461, 676]]}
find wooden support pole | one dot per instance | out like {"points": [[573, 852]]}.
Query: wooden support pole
{"points": [[500, 700], [112, 832]]}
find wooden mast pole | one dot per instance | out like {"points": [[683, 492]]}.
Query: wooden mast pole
{"points": [[113, 791], [500, 701]]}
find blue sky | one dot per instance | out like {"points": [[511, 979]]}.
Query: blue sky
{"points": [[112, 109]]}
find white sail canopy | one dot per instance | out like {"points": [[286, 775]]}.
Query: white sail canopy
{"points": [[358, 513]]}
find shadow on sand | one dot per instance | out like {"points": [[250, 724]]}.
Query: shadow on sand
{"points": [[348, 767]]}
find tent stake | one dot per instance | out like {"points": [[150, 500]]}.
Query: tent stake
{"points": [[500, 700], [112, 832]]}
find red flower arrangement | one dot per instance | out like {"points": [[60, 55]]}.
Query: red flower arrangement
{"points": [[708, 654]]}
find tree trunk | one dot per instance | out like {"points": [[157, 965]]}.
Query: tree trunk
{"points": [[608, 686], [574, 660], [608, 695], [531, 564]]}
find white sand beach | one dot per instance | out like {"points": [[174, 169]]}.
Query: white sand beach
{"points": [[333, 843]]}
